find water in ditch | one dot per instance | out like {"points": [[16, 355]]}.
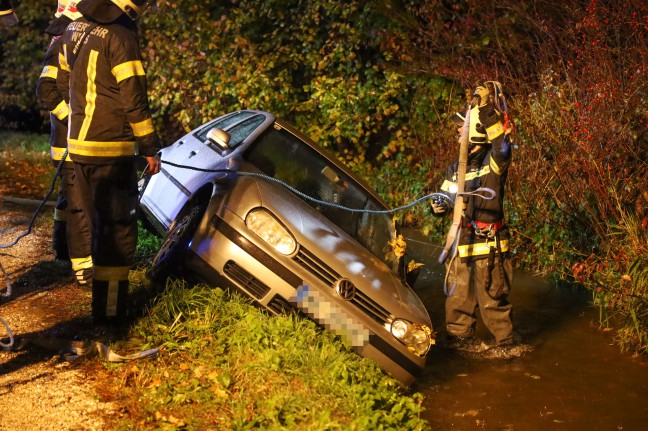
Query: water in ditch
{"points": [[569, 375]]}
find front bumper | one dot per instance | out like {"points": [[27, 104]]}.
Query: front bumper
{"points": [[221, 254]]}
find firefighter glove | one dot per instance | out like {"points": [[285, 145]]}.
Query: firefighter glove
{"points": [[439, 206]]}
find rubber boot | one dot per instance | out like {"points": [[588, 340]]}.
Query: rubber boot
{"points": [[109, 301], [59, 241]]}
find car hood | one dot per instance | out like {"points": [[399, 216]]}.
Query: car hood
{"points": [[321, 237]]}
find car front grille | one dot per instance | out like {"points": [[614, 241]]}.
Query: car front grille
{"points": [[247, 281], [280, 305], [323, 272]]}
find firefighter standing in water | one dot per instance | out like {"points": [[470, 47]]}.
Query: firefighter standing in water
{"points": [[71, 236], [480, 273], [110, 125]]}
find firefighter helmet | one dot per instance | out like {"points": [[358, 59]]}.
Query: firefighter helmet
{"points": [[476, 131], [62, 4], [459, 117], [71, 10], [107, 11], [132, 8], [69, 14]]}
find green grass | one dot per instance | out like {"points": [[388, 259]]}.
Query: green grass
{"points": [[225, 364], [32, 143]]}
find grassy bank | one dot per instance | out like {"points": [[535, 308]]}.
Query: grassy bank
{"points": [[224, 364]]}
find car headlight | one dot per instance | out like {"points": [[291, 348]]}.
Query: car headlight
{"points": [[268, 228], [417, 338]]}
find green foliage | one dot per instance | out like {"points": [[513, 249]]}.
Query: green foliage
{"points": [[376, 81], [583, 146], [147, 245], [22, 48], [226, 364], [576, 74], [318, 64]]}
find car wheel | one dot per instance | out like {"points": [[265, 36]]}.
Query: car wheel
{"points": [[174, 247]]}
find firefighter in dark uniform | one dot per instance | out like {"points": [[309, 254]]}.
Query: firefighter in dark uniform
{"points": [[480, 274], [110, 125], [71, 236]]}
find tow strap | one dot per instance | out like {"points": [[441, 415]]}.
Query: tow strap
{"points": [[452, 239], [75, 350]]}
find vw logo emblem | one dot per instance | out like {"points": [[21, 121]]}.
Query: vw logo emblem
{"points": [[345, 289]]}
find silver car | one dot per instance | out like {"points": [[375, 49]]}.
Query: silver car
{"points": [[246, 201]]}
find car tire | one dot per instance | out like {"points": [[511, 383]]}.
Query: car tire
{"points": [[174, 247]]}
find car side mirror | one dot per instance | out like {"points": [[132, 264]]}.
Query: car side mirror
{"points": [[330, 175], [219, 137]]}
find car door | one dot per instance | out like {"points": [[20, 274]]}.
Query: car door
{"points": [[194, 160]]}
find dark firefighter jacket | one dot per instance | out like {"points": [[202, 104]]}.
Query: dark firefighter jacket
{"points": [[489, 172], [51, 99], [109, 110]]}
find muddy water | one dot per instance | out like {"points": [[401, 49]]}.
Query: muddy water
{"points": [[569, 376]]}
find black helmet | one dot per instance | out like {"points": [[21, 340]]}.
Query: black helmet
{"points": [[476, 132], [107, 11]]}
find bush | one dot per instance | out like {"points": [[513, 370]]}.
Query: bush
{"points": [[22, 48]]}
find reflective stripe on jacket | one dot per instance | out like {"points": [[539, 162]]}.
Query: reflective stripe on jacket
{"points": [[51, 98], [109, 109]]}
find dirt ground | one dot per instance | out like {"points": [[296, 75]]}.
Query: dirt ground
{"points": [[39, 388]]}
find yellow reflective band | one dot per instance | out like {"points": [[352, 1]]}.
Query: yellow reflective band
{"points": [[60, 215], [482, 248], [57, 154], [49, 72], [6, 12], [484, 170], [111, 273], [63, 61], [128, 70], [91, 94], [142, 128], [61, 111], [101, 149], [449, 186], [111, 297], [81, 263], [494, 166], [494, 131]]}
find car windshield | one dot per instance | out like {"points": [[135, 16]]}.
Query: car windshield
{"points": [[281, 155]]}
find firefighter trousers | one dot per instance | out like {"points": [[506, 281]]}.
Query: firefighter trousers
{"points": [[77, 226], [59, 233], [469, 279], [109, 198]]}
